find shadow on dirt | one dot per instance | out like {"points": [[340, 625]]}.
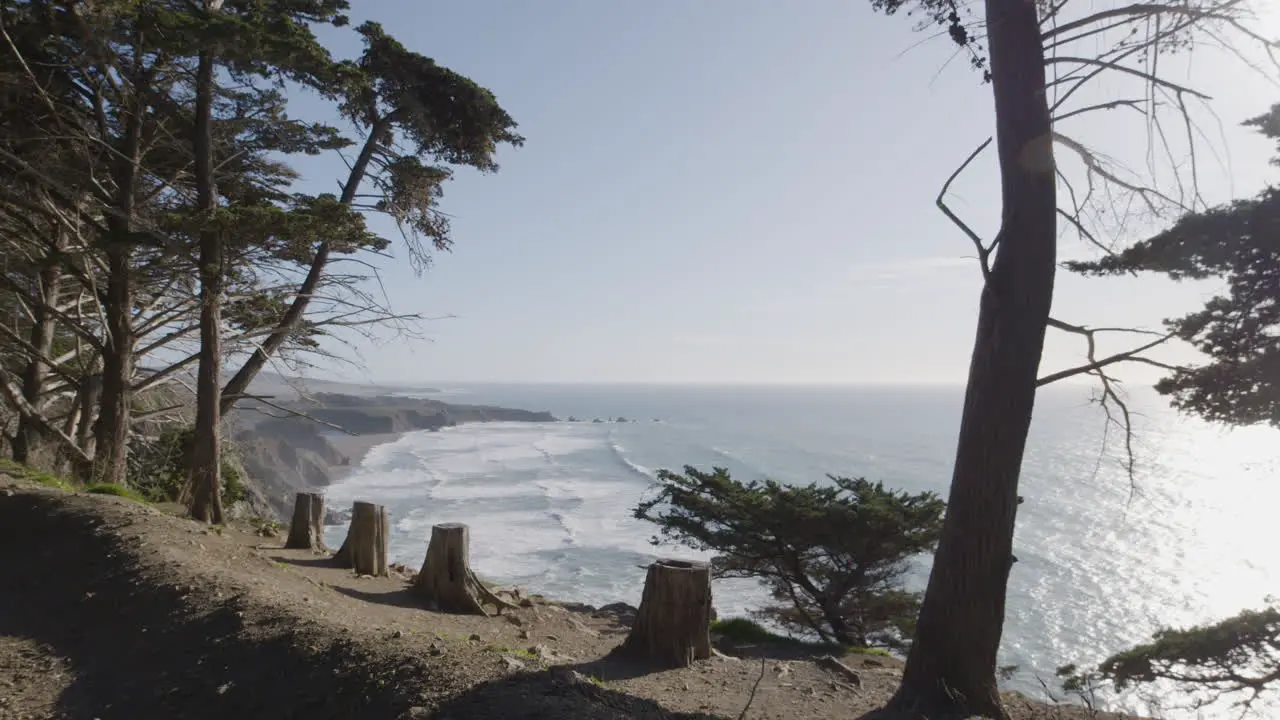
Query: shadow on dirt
{"points": [[556, 693], [395, 598], [141, 646], [318, 562]]}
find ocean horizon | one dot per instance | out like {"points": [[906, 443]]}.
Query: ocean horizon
{"points": [[1103, 561]]}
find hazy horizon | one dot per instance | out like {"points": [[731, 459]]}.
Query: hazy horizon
{"points": [[446, 385]]}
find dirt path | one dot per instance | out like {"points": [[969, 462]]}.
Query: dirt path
{"points": [[110, 609]]}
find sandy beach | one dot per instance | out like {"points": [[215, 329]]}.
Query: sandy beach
{"points": [[356, 447]]}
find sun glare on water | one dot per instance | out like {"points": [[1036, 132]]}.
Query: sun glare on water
{"points": [[1233, 516]]}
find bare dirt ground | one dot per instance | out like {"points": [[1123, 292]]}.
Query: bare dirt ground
{"points": [[111, 609]]}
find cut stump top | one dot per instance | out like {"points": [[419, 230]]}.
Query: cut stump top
{"points": [[692, 565]]}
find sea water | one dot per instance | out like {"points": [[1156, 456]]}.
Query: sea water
{"points": [[1105, 557]]}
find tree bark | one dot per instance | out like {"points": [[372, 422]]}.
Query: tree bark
{"points": [[841, 631], [306, 531], [206, 450], [446, 581], [673, 624], [28, 437], [951, 667], [365, 549], [87, 397], [111, 431]]}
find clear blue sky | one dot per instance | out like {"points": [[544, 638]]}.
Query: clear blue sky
{"points": [[735, 191]]}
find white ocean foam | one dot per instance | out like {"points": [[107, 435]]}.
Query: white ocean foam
{"points": [[492, 552], [550, 507], [620, 453], [576, 487]]}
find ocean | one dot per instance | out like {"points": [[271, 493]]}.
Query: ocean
{"points": [[1103, 561]]}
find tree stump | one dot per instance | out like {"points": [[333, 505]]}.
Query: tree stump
{"points": [[446, 582], [673, 625], [365, 549], [306, 531]]}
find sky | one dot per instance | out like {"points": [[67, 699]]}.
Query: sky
{"points": [[742, 191]]}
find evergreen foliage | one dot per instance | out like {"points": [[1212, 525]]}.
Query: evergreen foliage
{"points": [[1236, 659], [1238, 330], [833, 555]]}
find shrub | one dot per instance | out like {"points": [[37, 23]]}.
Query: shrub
{"points": [[117, 490], [1237, 658], [742, 630], [833, 555], [159, 467]]}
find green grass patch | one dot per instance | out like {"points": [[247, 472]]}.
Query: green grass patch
{"points": [[520, 653], [37, 476], [744, 631], [858, 650], [117, 490], [261, 524]]}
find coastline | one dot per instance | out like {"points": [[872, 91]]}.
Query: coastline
{"points": [[355, 448]]}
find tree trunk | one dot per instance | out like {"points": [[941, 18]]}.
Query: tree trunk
{"points": [[88, 398], [951, 667], [306, 532], [841, 631], [365, 549], [111, 431], [673, 624], [206, 449], [446, 582], [28, 437]]}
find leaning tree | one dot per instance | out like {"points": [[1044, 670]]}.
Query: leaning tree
{"points": [[1044, 61]]}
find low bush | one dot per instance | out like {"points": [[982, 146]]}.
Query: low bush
{"points": [[158, 468], [833, 555]]}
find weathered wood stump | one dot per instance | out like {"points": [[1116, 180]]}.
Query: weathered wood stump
{"points": [[673, 625], [365, 549], [306, 531], [446, 581]]}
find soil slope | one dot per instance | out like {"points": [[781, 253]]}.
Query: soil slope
{"points": [[111, 609]]}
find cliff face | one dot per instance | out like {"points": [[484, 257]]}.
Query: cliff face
{"points": [[394, 414], [287, 451]]}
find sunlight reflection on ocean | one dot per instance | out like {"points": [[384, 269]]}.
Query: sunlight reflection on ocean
{"points": [[1103, 560]]}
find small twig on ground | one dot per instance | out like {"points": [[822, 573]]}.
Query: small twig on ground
{"points": [[755, 687]]}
